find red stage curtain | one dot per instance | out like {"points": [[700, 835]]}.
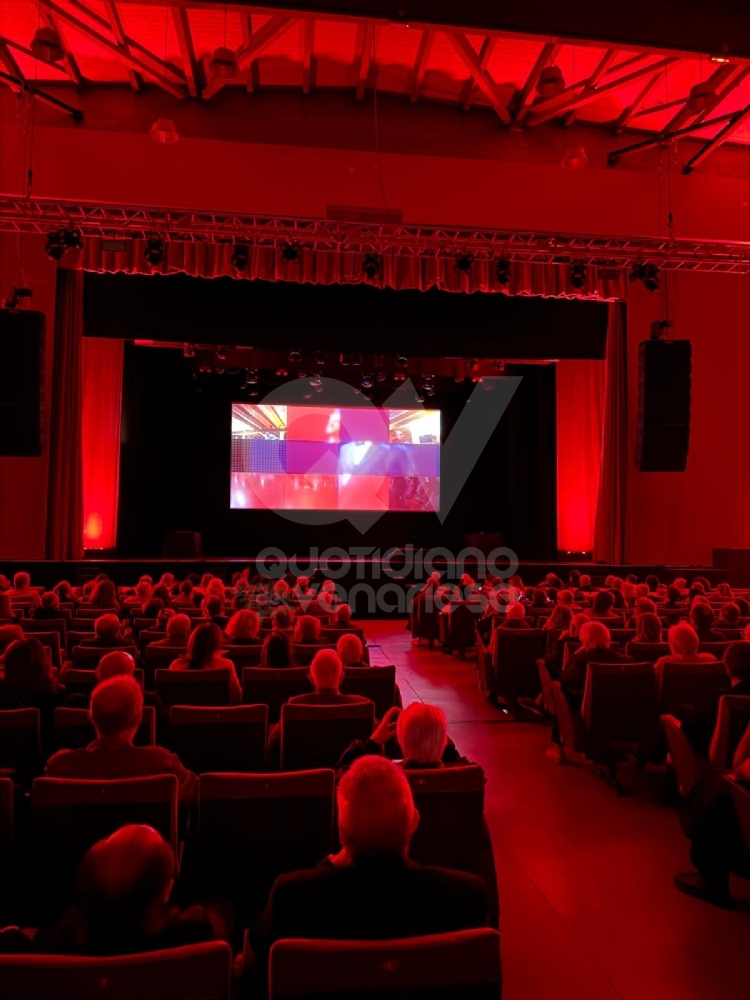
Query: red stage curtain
{"points": [[610, 544], [102, 407], [580, 414], [64, 493], [332, 267]]}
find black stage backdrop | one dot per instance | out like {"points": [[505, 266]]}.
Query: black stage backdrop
{"points": [[174, 475]]}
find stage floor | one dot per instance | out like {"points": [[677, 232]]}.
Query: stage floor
{"points": [[588, 909]]}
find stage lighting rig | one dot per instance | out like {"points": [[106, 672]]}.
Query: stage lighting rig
{"points": [[464, 263], [316, 382], [578, 274], [223, 64], [367, 382], [371, 266], [290, 253], [502, 270], [240, 258], [72, 238], [648, 274], [54, 245], [154, 252], [551, 82]]}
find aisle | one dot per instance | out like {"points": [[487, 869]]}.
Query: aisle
{"points": [[588, 909]]}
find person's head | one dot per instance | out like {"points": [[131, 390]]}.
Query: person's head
{"points": [[186, 589], [560, 617], [724, 591], [730, 613], [631, 578], [673, 594], [213, 606], [116, 708], [576, 624], [566, 597], [539, 598], [644, 606], [683, 640], [422, 733], [349, 648], [743, 605], [123, 882], [27, 667], [594, 635], [641, 590], [553, 580], [466, 580], [326, 670], [107, 627], [343, 613], [50, 601], [652, 583], [21, 581], [244, 625], [9, 634], [585, 580], [105, 594], [603, 602], [696, 591], [737, 662], [376, 809], [118, 663], [143, 591], [574, 577], [178, 627], [702, 617], [204, 643], [608, 580], [215, 586], [515, 611], [152, 607], [161, 593], [282, 618], [629, 592], [307, 629], [680, 582], [281, 589], [205, 580], [648, 628], [303, 584], [167, 579], [6, 606], [277, 650]]}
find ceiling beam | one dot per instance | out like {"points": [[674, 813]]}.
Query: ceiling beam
{"points": [[7, 59], [126, 56], [546, 57], [685, 113], [19, 84], [364, 57], [308, 57], [731, 83], [256, 44], [664, 138], [602, 67], [420, 63], [554, 107], [737, 119], [181, 23], [485, 54], [627, 114], [484, 81], [113, 16], [252, 79]]}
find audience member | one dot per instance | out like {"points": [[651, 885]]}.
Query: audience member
{"points": [[140, 596], [702, 618], [178, 633], [553, 658], [674, 598], [647, 630], [683, 648], [49, 608], [107, 634], [421, 736], [9, 634], [326, 674], [204, 653], [307, 629], [515, 617], [561, 616], [118, 663], [104, 595], [243, 628], [342, 618], [28, 681], [213, 609], [349, 647], [66, 593], [277, 650], [7, 614], [282, 619], [699, 725], [22, 590], [601, 609], [595, 648]]}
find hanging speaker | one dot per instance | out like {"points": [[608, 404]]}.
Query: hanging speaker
{"points": [[21, 382], [664, 377]]}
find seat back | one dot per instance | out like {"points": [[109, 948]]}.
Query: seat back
{"points": [[692, 684], [59, 625], [717, 648], [684, 759], [51, 640], [73, 728], [545, 680], [83, 623], [69, 816], [264, 686], [192, 687], [450, 801], [330, 634], [462, 964], [315, 736], [84, 681], [622, 635], [731, 722], [253, 828], [304, 652], [648, 652], [514, 662], [244, 656], [376, 683], [20, 742], [7, 826], [232, 738], [195, 972], [462, 619], [88, 657], [741, 799], [159, 658], [619, 706]]}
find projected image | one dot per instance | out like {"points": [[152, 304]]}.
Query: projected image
{"points": [[334, 458]]}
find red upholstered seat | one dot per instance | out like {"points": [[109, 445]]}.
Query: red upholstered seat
{"points": [[314, 736], [232, 738]]}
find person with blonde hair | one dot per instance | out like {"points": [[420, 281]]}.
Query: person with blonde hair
{"points": [[243, 628], [349, 647], [683, 647], [421, 732]]}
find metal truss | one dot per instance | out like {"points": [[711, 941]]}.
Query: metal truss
{"points": [[122, 223]]}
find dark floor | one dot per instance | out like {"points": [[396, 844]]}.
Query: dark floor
{"points": [[588, 909]]}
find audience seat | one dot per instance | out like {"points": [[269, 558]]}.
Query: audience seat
{"points": [[20, 742], [195, 972], [51, 640], [463, 964], [88, 657], [457, 624], [85, 612], [253, 828], [230, 738], [376, 683], [717, 648], [7, 827], [73, 728], [334, 634], [192, 687], [512, 672], [545, 681], [244, 656], [304, 652], [84, 624], [741, 799], [158, 658], [84, 681], [731, 722], [59, 625], [264, 686], [692, 684], [647, 652], [315, 736], [618, 708], [686, 763]]}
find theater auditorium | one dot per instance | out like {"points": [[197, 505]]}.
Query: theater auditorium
{"points": [[374, 492]]}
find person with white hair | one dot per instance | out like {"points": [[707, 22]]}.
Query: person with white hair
{"points": [[595, 648], [349, 647], [421, 732], [326, 674], [683, 648]]}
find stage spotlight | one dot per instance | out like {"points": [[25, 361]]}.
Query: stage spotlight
{"points": [[399, 377], [163, 130], [188, 351], [252, 393], [73, 239], [307, 395], [223, 64], [240, 257], [47, 45], [648, 274], [551, 82], [154, 252], [301, 374], [499, 367], [578, 274], [381, 376], [702, 97], [54, 245], [290, 253], [420, 397], [473, 365], [464, 263], [294, 356], [502, 271], [371, 266]]}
